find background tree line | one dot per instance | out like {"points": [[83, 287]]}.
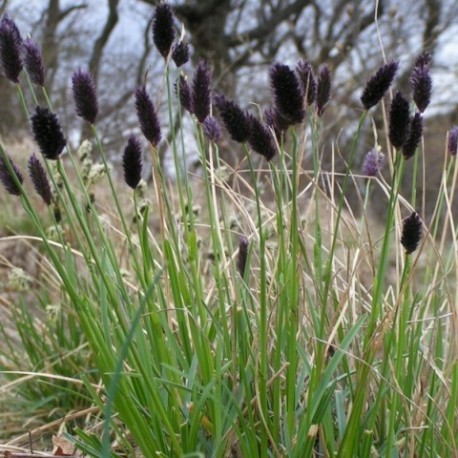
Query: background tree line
{"points": [[240, 38]]}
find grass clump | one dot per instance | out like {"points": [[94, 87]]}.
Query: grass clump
{"points": [[258, 326]]}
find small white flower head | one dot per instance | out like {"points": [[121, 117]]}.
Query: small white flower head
{"points": [[105, 222], [96, 173], [85, 150], [19, 280]]}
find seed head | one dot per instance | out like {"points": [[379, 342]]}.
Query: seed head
{"points": [[412, 142], [453, 141], [411, 232], [85, 96], [212, 129], [40, 179], [373, 162], [33, 62], [163, 29], [323, 89], [287, 93], [147, 117], [132, 162], [308, 82], [399, 124], [200, 93], [234, 118], [7, 179], [47, 133], [378, 84], [180, 53], [10, 49], [260, 138]]}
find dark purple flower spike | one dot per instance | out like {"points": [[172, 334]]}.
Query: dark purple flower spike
{"points": [[423, 60], [260, 139], [147, 117], [10, 49], [275, 120], [414, 138], [7, 179], [399, 124], [307, 80], [411, 232], [421, 82], [201, 91], [180, 53], [287, 93], [184, 93], [235, 120], [40, 179], [378, 84], [373, 163], [212, 129], [453, 141], [33, 62], [163, 29], [47, 133], [132, 162], [323, 89], [243, 255], [85, 96]]}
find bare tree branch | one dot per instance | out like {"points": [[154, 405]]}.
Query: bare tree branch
{"points": [[99, 45], [268, 27], [144, 58], [64, 13], [432, 30]]}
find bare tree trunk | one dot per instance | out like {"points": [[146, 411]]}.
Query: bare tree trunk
{"points": [[50, 48], [100, 43], [97, 51]]}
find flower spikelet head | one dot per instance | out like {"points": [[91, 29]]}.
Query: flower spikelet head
{"points": [[85, 96], [235, 120], [34, 62], [421, 82], [7, 179], [147, 117], [201, 93], [373, 162], [180, 53], [378, 84], [287, 93], [10, 49], [260, 138], [323, 89], [411, 232], [414, 138], [163, 29], [453, 141], [212, 129], [40, 179], [399, 124], [47, 133], [307, 80], [132, 162]]}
